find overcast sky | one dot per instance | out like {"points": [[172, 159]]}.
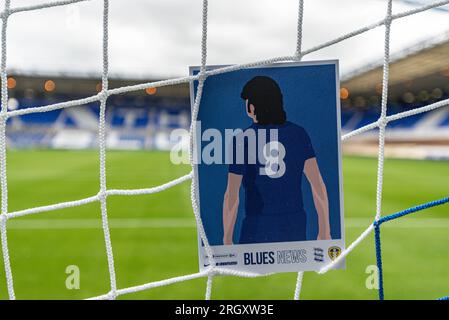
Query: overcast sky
{"points": [[161, 38]]}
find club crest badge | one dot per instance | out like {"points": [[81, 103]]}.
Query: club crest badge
{"points": [[334, 252]]}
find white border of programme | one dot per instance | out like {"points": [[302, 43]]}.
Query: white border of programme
{"points": [[230, 257]]}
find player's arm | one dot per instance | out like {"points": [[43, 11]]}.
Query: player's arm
{"points": [[312, 172], [230, 206]]}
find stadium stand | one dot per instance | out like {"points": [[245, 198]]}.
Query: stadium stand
{"points": [[144, 120], [419, 75], [145, 123], [133, 123]]}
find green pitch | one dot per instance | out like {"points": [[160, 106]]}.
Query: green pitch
{"points": [[154, 238]]}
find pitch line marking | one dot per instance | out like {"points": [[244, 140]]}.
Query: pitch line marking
{"points": [[162, 223]]}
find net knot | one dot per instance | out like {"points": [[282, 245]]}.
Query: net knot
{"points": [[202, 76], [3, 116], [102, 195], [382, 122], [112, 295], [3, 218], [212, 270], [103, 94], [298, 56], [4, 14]]}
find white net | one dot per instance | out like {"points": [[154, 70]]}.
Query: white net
{"points": [[201, 77]]}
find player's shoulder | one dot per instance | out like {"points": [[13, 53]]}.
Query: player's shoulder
{"points": [[295, 127], [239, 132]]}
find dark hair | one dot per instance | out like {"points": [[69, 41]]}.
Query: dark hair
{"points": [[266, 97]]}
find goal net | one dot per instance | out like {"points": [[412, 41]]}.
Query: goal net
{"points": [[200, 78]]}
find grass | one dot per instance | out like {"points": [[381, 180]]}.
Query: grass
{"points": [[415, 250]]}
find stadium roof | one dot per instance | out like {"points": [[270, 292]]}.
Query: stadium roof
{"points": [[84, 85], [424, 66]]}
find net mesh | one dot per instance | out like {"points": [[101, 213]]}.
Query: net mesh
{"points": [[201, 77]]}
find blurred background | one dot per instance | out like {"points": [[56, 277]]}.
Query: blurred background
{"points": [[54, 55]]}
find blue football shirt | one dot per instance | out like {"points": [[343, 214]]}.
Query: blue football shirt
{"points": [[273, 196]]}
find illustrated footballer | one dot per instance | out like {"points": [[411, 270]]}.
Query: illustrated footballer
{"points": [[276, 154]]}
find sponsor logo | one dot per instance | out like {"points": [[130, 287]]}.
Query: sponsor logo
{"points": [[318, 254]]}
